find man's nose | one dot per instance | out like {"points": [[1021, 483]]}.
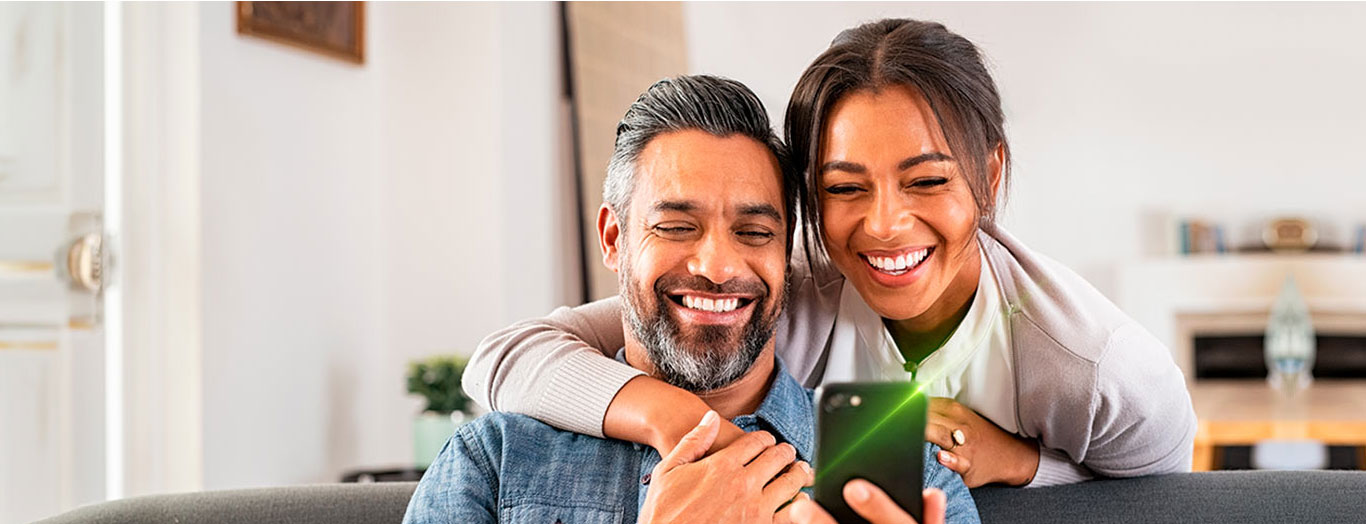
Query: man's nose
{"points": [[716, 259]]}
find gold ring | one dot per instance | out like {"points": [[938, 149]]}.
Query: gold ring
{"points": [[959, 438]]}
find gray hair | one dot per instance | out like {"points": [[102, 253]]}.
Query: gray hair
{"points": [[719, 106]]}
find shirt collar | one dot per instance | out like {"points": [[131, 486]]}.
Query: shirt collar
{"points": [[787, 409]]}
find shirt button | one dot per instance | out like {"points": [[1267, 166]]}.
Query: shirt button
{"points": [[645, 479]]}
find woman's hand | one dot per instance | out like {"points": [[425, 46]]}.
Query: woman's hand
{"points": [[871, 503], [651, 412], [987, 454]]}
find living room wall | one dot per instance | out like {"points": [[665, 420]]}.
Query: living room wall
{"points": [[1120, 113], [357, 217]]}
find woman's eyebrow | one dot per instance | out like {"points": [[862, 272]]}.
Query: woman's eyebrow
{"points": [[853, 167], [934, 156]]}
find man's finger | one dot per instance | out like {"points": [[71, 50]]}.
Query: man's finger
{"points": [[770, 463], [788, 484], [784, 515], [935, 506], [694, 445], [807, 511], [745, 448], [871, 503]]}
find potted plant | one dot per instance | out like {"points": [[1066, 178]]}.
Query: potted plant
{"points": [[436, 379]]}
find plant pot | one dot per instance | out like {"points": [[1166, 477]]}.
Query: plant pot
{"points": [[430, 433]]}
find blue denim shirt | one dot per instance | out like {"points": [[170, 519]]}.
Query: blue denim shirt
{"points": [[505, 467]]}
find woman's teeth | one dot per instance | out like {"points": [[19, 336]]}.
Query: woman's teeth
{"points": [[898, 264], [715, 306]]}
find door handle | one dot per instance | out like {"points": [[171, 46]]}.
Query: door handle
{"points": [[81, 262]]}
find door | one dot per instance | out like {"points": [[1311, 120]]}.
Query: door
{"points": [[52, 267]]}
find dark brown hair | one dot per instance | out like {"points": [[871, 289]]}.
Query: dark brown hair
{"points": [[944, 67]]}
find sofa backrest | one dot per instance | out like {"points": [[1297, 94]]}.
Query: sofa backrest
{"points": [[1235, 496]]}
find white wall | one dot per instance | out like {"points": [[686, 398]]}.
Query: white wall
{"points": [[1118, 113], [356, 217]]}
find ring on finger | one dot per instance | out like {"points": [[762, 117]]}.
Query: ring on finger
{"points": [[959, 438]]}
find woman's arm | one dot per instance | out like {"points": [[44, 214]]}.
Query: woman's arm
{"points": [[557, 370]]}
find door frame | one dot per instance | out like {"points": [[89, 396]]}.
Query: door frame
{"points": [[155, 376]]}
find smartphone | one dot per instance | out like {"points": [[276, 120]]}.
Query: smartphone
{"points": [[874, 431]]}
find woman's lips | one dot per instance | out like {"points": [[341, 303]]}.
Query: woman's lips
{"points": [[896, 268]]}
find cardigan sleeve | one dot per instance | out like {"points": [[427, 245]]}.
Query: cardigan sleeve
{"points": [[554, 369]]}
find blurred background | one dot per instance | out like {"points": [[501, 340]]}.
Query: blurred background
{"points": [[228, 228]]}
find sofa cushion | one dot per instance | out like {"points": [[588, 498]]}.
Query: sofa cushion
{"points": [[1226, 496], [322, 504]]}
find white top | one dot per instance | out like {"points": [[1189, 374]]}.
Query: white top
{"points": [[972, 367]]}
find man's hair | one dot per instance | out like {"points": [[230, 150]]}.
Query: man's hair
{"points": [[719, 106], [944, 67]]}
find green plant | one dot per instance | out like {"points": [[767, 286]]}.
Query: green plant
{"points": [[437, 379]]}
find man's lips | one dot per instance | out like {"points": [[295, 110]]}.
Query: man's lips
{"points": [[710, 302]]}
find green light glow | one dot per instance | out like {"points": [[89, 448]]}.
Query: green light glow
{"points": [[920, 388]]}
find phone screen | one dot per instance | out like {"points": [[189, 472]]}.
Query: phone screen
{"points": [[874, 431]]}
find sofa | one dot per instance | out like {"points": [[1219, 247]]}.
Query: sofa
{"points": [[1233, 496]]}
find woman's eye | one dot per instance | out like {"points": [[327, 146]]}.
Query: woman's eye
{"points": [[929, 182], [841, 190]]}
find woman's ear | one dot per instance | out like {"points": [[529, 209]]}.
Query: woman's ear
{"points": [[609, 231], [996, 167]]}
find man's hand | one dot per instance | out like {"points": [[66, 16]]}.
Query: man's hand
{"points": [[987, 453], [871, 503], [745, 482]]}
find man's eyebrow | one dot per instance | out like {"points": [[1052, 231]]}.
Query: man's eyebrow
{"points": [[764, 210], [908, 163], [682, 206]]}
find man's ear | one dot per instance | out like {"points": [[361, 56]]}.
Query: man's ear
{"points": [[609, 231], [995, 167]]}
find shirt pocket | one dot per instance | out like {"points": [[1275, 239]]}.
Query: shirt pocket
{"points": [[560, 513]]}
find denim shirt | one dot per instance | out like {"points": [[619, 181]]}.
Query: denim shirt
{"points": [[506, 467]]}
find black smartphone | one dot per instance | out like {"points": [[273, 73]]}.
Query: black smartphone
{"points": [[874, 431]]}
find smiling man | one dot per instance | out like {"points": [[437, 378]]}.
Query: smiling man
{"points": [[697, 224]]}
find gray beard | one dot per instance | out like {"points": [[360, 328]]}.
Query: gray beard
{"points": [[712, 364]]}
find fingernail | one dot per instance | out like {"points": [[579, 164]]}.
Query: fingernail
{"points": [[858, 491], [709, 418], [945, 458], [805, 467]]}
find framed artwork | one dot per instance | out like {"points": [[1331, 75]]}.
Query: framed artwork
{"points": [[336, 29]]}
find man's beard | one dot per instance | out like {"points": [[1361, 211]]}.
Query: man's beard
{"points": [[711, 360]]}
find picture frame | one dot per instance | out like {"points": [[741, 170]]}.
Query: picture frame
{"points": [[335, 29]]}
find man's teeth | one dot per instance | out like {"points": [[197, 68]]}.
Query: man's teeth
{"points": [[900, 262], [707, 304]]}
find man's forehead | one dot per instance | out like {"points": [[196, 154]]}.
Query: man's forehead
{"points": [[694, 171]]}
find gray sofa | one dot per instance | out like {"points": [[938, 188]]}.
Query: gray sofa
{"points": [[1247, 496]]}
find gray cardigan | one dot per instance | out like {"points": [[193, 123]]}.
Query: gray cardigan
{"points": [[1099, 392]]}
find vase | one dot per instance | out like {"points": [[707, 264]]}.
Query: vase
{"points": [[430, 433]]}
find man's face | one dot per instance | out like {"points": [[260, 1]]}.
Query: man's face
{"points": [[702, 255]]}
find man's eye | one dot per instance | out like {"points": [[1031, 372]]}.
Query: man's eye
{"points": [[673, 230], [755, 237]]}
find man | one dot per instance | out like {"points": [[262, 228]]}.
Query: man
{"points": [[697, 224]]}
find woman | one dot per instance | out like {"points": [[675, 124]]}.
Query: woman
{"points": [[1039, 379]]}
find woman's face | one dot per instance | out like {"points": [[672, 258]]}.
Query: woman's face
{"points": [[899, 218]]}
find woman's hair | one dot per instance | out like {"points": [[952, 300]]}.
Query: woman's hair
{"points": [[944, 67]]}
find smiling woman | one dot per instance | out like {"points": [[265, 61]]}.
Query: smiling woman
{"points": [[1038, 378]]}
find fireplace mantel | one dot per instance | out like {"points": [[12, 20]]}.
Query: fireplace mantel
{"points": [[1178, 297]]}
